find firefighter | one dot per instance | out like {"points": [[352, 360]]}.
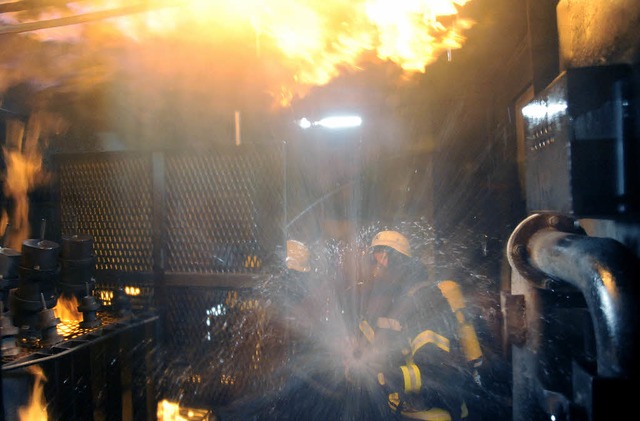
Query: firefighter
{"points": [[409, 338]]}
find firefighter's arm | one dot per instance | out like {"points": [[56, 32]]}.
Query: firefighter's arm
{"points": [[429, 361], [403, 379], [434, 354], [452, 291]]}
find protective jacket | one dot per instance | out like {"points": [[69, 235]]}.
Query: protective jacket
{"points": [[412, 335]]}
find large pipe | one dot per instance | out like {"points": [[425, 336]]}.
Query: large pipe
{"points": [[546, 249], [606, 272]]}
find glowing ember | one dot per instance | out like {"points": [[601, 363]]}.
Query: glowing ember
{"points": [[36, 410], [67, 309]]}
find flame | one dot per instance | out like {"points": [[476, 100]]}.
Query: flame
{"points": [[301, 43], [67, 309], [24, 170], [171, 411], [36, 410]]}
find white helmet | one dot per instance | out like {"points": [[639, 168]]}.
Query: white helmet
{"points": [[298, 256], [392, 239]]}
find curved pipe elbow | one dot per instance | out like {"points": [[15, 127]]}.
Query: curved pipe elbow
{"points": [[548, 250], [604, 270]]}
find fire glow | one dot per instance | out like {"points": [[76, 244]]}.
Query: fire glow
{"points": [[36, 409], [308, 43], [67, 309], [24, 169], [171, 411]]}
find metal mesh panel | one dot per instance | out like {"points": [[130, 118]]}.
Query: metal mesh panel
{"points": [[212, 214], [109, 197], [230, 350], [222, 211]]}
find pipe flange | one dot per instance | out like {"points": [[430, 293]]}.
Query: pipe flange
{"points": [[518, 251]]}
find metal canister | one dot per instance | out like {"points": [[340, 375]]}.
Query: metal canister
{"points": [[77, 262]]}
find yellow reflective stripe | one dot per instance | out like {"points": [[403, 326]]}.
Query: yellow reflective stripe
{"points": [[464, 411], [469, 341], [367, 330], [460, 317], [453, 293], [433, 414], [412, 379], [386, 323], [429, 337], [381, 380]]}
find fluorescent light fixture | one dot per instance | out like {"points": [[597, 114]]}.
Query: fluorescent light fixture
{"points": [[340, 122], [334, 122]]}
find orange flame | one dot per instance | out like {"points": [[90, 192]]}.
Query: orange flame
{"points": [[36, 409], [67, 309], [24, 171], [171, 411], [311, 41]]}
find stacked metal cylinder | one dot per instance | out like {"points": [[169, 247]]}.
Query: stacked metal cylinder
{"points": [[9, 263], [32, 302], [35, 279], [78, 264]]}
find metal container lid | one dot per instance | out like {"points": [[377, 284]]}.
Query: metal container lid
{"points": [[9, 252], [40, 244], [39, 254], [77, 247]]}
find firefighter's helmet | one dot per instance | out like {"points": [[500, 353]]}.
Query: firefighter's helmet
{"points": [[298, 256], [392, 239]]}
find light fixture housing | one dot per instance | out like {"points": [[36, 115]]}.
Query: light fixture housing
{"points": [[332, 122]]}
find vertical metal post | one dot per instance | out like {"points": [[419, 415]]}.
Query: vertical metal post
{"points": [[284, 188], [158, 187]]}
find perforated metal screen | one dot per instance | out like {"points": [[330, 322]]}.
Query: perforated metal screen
{"points": [[222, 211], [229, 351], [109, 197], [185, 223], [207, 212]]}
